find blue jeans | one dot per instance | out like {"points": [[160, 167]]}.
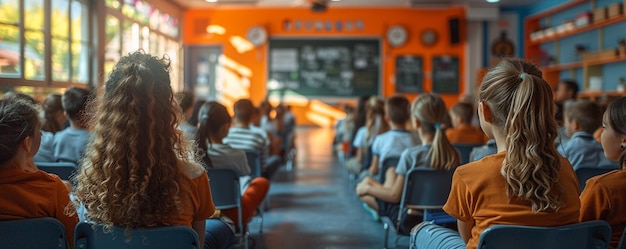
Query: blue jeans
{"points": [[427, 235], [217, 234]]}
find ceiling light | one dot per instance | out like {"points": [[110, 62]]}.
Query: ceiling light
{"points": [[489, 1], [211, 1], [335, 0]]}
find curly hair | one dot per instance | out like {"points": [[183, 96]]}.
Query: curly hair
{"points": [[129, 176], [522, 103], [431, 111]]}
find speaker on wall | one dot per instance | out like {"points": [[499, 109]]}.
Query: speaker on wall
{"points": [[455, 31]]}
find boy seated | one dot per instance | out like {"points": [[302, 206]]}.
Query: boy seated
{"points": [[70, 143], [391, 143], [463, 132], [581, 120]]}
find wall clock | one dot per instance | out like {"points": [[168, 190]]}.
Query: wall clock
{"points": [[257, 35], [396, 36], [428, 37]]}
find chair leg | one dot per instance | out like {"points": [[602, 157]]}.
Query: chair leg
{"points": [[386, 228]]}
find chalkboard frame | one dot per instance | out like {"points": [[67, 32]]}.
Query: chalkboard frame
{"points": [[413, 87], [379, 84]]}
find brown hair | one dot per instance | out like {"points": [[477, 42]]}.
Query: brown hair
{"points": [[586, 113], [465, 111]]}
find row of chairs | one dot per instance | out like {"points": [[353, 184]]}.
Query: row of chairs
{"points": [[49, 233]]}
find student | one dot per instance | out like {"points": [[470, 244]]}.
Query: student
{"points": [[26, 191], [53, 117], [393, 142], [604, 197], [488, 149], [374, 125], [137, 171], [214, 124], [461, 115], [435, 152], [582, 118], [514, 109], [240, 136], [185, 101], [565, 94], [70, 143]]}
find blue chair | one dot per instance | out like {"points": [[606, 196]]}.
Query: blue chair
{"points": [[387, 163], [465, 150], [65, 170], [226, 194], [254, 162], [584, 174], [586, 235], [33, 233], [95, 236], [424, 189]]}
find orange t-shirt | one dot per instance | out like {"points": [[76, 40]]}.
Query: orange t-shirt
{"points": [[195, 196], [33, 195], [604, 198], [478, 194], [466, 134]]}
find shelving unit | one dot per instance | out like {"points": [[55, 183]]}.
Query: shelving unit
{"points": [[554, 69]]}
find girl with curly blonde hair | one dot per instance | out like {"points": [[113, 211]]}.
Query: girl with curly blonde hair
{"points": [[137, 171]]}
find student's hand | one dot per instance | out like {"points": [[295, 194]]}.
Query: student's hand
{"points": [[362, 189]]}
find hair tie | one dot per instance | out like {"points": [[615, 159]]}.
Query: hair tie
{"points": [[204, 116], [523, 75], [437, 126]]}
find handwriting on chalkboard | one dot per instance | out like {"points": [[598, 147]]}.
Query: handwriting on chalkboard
{"points": [[445, 74], [324, 67], [409, 74]]}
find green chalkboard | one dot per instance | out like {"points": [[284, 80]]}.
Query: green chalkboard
{"points": [[409, 74], [445, 74], [334, 68]]}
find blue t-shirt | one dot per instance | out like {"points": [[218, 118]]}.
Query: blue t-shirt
{"points": [[583, 151], [414, 157], [391, 144], [46, 148], [486, 150], [70, 143]]}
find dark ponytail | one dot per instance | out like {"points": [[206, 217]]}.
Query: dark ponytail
{"points": [[211, 118]]}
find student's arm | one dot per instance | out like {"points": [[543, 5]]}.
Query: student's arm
{"points": [[391, 194], [374, 166], [359, 155], [465, 229], [199, 226]]}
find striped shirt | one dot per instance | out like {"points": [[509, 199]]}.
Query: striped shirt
{"points": [[247, 140]]}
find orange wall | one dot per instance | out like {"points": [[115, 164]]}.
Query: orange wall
{"points": [[376, 21]]}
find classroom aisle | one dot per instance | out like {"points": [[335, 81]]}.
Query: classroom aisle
{"points": [[313, 205]]}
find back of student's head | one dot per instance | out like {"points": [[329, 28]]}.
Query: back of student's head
{"points": [[129, 176], [12, 95], [18, 120], [74, 102], [52, 106], [463, 110], [522, 109], [244, 110], [193, 119], [397, 109], [213, 116], [185, 100], [586, 113], [430, 110], [615, 118], [374, 122], [570, 86]]}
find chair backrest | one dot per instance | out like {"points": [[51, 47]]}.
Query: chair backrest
{"points": [[65, 170], [386, 164], [465, 150], [622, 241], [225, 190], [584, 174], [94, 236], [254, 162], [33, 233], [587, 235], [426, 188]]}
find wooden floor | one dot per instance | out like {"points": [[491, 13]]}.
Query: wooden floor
{"points": [[314, 205]]}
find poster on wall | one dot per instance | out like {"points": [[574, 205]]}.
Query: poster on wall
{"points": [[409, 74], [445, 74]]}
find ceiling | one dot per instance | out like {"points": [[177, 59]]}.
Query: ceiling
{"points": [[348, 3]]}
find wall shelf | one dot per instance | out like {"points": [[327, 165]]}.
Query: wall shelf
{"points": [[589, 27]]}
